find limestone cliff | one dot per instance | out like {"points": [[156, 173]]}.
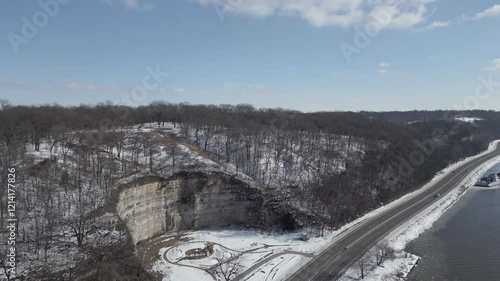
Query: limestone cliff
{"points": [[152, 206]]}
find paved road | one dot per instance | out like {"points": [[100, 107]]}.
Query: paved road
{"points": [[247, 272], [335, 260]]}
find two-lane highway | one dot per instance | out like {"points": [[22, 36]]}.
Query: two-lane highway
{"points": [[336, 259]]}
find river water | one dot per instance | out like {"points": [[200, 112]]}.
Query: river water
{"points": [[464, 244]]}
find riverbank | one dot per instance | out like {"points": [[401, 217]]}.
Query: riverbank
{"points": [[403, 263], [463, 243]]}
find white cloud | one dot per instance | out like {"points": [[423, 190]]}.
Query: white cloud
{"points": [[383, 64], [140, 5], [436, 24], [490, 12], [494, 65], [77, 86], [383, 67], [391, 14], [179, 90]]}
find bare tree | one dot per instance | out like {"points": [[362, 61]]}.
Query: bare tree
{"points": [[361, 266], [58, 135], [171, 147], [7, 270], [382, 251], [4, 104], [318, 208], [400, 274], [159, 112], [151, 143], [227, 267], [80, 203], [79, 222]]}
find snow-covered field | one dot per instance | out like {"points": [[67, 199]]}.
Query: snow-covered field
{"points": [[278, 263]]}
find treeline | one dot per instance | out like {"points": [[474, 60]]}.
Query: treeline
{"points": [[423, 115]]}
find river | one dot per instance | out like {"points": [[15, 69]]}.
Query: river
{"points": [[464, 244]]}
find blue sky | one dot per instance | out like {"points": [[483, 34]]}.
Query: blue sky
{"points": [[420, 54]]}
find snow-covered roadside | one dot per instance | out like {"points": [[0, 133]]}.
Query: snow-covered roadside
{"points": [[402, 263]]}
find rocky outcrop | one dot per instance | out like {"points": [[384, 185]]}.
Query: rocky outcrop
{"points": [[152, 206]]}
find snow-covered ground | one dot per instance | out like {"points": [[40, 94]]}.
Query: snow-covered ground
{"points": [[275, 162], [469, 119], [278, 253], [277, 263], [394, 268]]}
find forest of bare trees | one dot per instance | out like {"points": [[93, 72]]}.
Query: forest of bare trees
{"points": [[332, 166]]}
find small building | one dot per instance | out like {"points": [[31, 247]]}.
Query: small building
{"points": [[199, 253]]}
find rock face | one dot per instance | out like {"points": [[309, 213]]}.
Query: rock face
{"points": [[152, 206]]}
